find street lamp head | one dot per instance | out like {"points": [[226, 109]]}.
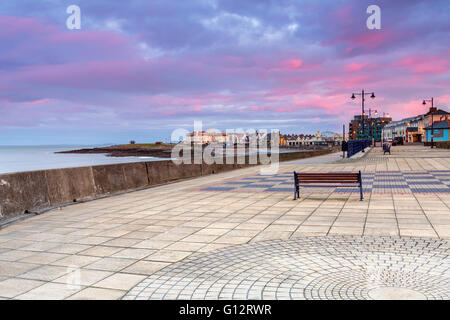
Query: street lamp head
{"points": [[353, 96], [373, 95], [424, 103]]}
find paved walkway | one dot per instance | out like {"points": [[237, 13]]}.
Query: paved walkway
{"points": [[173, 241]]}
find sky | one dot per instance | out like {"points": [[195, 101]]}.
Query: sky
{"points": [[138, 70]]}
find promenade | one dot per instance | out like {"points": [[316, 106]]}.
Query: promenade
{"points": [[240, 235]]}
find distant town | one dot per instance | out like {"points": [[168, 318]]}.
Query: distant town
{"points": [[284, 140], [424, 128]]}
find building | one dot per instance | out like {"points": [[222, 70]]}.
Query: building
{"points": [[204, 137], [354, 128], [297, 140], [434, 116], [439, 132], [373, 127], [438, 115], [408, 129], [412, 129], [210, 136], [292, 140]]}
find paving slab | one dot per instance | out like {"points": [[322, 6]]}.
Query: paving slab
{"points": [[105, 249]]}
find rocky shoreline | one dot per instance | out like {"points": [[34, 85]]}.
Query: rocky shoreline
{"points": [[162, 151], [150, 150]]}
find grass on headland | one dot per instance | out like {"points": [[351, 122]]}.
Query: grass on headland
{"points": [[143, 145]]}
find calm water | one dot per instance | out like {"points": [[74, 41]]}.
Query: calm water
{"points": [[29, 158]]}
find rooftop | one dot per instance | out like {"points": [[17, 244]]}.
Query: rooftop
{"points": [[440, 125], [438, 112]]}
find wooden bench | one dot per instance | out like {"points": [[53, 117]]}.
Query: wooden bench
{"points": [[331, 179]]}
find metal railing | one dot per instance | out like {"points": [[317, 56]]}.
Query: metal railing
{"points": [[355, 146]]}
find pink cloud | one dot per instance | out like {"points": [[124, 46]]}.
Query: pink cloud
{"points": [[422, 64], [330, 103], [343, 14], [443, 99], [275, 109], [372, 39], [33, 40], [12, 27], [53, 71], [355, 66], [39, 101], [409, 108], [292, 64]]}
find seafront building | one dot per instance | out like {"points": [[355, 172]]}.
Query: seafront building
{"points": [[418, 128], [439, 131], [408, 129], [284, 140], [373, 127], [295, 139], [210, 136], [440, 119], [326, 138]]}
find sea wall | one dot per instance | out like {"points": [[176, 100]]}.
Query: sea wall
{"points": [[34, 191]]}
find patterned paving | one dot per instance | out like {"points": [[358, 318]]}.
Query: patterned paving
{"points": [[174, 241], [396, 182], [309, 268]]}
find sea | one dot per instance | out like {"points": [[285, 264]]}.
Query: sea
{"points": [[31, 158]]}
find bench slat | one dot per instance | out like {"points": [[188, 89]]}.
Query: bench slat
{"points": [[306, 173], [327, 181], [326, 185], [332, 177], [327, 175]]}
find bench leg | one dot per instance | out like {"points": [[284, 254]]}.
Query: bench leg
{"points": [[360, 192], [296, 193], [360, 187]]}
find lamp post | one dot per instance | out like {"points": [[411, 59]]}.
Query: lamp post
{"points": [[363, 94], [406, 131], [371, 124], [432, 120]]}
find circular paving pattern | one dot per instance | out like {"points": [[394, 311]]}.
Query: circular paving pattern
{"points": [[309, 268]]}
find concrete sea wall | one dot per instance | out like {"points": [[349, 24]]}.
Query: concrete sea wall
{"points": [[34, 191]]}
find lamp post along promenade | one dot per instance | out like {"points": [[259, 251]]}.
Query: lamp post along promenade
{"points": [[363, 94], [432, 120]]}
